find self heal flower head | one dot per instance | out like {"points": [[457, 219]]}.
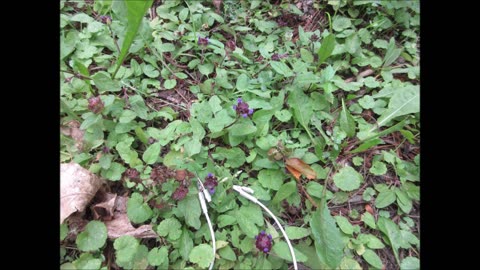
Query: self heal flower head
{"points": [[210, 183], [202, 41], [95, 104], [106, 19], [242, 108], [263, 242]]}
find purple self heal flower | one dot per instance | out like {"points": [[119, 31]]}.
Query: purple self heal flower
{"points": [[263, 242], [210, 183], [242, 108], [95, 104], [202, 41], [106, 19], [250, 111]]}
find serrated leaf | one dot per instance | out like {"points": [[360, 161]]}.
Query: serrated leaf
{"points": [[327, 238], [93, 237], [125, 249], [347, 123], [152, 153], [281, 68], [385, 198], [347, 179], [284, 191], [372, 258], [137, 210], [201, 255], [157, 256], [86, 261], [326, 49], [171, 227]]}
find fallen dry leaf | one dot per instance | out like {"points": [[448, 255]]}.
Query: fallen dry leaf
{"points": [[105, 209], [121, 225], [73, 130], [77, 188], [369, 209], [295, 173], [299, 166]]}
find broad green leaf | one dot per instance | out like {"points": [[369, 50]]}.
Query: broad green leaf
{"points": [[170, 83], [93, 237], [243, 129], [284, 191], [271, 179], [247, 217], [404, 101], [344, 224], [392, 232], [385, 198], [137, 105], [410, 263], [347, 179], [378, 168], [157, 256], [126, 247], [306, 55], [392, 53], [326, 49], [242, 82], [152, 153], [302, 108], [316, 190], [372, 258], [201, 255], [186, 244], [369, 220], [340, 23], [297, 232], [347, 123], [86, 261], [127, 116], [114, 172], [63, 231], [104, 83], [327, 237], [350, 264], [403, 201], [171, 227], [235, 156], [137, 210], [281, 250], [190, 207], [281, 68], [135, 12], [283, 115], [227, 253], [225, 220]]}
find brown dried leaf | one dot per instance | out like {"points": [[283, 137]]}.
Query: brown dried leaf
{"points": [[73, 130], [295, 173], [300, 166], [104, 210], [121, 225], [77, 188]]}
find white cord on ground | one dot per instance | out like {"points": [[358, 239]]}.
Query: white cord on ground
{"points": [[203, 204], [244, 192]]}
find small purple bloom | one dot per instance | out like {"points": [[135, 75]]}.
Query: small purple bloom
{"points": [[250, 111], [234, 107], [202, 41], [212, 190], [242, 108], [210, 183], [262, 232], [106, 19], [209, 174], [239, 100], [244, 115], [270, 236], [265, 250], [263, 242]]}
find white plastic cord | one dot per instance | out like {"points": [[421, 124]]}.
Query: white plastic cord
{"points": [[203, 204], [244, 191]]}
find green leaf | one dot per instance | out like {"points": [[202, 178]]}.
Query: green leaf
{"points": [[392, 53], [281, 250], [63, 231], [201, 255], [170, 83], [127, 116], [316, 190], [302, 108], [372, 258], [295, 233], [171, 227], [340, 23], [372, 241], [391, 231], [306, 55], [348, 263], [328, 240], [284, 191], [242, 82], [86, 261], [227, 253], [137, 104], [186, 244], [190, 207], [385, 198], [126, 247], [404, 101], [347, 123], [344, 224], [152, 153], [403, 201], [225, 220], [243, 129], [378, 168], [369, 220], [281, 68], [93, 237], [247, 217], [235, 156], [272, 179], [157, 256], [104, 83], [137, 210], [114, 172], [347, 179], [410, 263], [328, 45], [135, 12]]}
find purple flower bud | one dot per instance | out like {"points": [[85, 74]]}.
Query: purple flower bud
{"points": [[256, 236], [202, 41], [263, 242], [262, 232], [265, 250], [234, 107], [250, 111], [244, 115], [270, 236], [209, 174], [212, 190], [239, 100]]}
